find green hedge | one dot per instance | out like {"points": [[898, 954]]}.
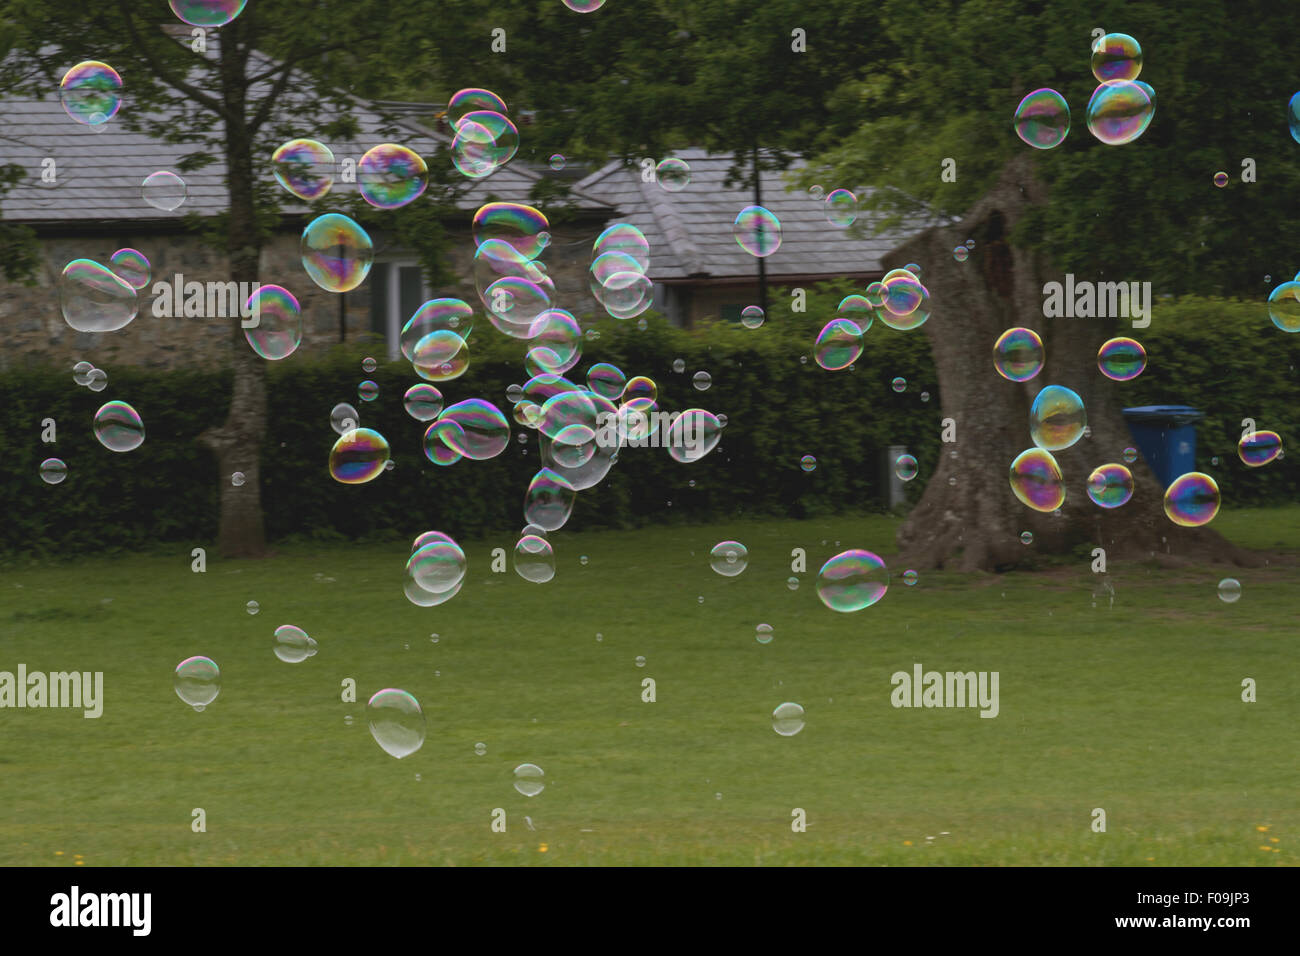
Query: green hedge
{"points": [[1223, 357]]}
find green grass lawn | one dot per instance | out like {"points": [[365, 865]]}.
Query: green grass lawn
{"points": [[1135, 708]]}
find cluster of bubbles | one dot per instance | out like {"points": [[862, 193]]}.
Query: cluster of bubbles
{"points": [[620, 258], [95, 379], [1118, 112], [435, 571], [898, 299], [485, 138]]}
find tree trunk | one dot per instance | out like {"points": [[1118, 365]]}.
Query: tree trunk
{"points": [[968, 518], [238, 442]]}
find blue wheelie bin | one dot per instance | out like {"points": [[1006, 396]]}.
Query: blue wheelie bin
{"points": [[1166, 437]]}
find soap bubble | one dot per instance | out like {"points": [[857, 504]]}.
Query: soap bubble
{"points": [[557, 161], [1042, 119], [808, 463], [517, 225], [98, 380], [909, 577], [207, 13], [480, 748], [1229, 590], [292, 645], [252, 607], [549, 500], [1110, 486], [53, 471], [358, 456], [1259, 448], [368, 365], [237, 479], [1116, 56], [93, 298], [1293, 116], [905, 467], [841, 208], [164, 190], [368, 391], [91, 93], [438, 565], [81, 373], [132, 267], [436, 315], [118, 427], [899, 384], [1284, 306], [838, 345], [1119, 112], [440, 356], [702, 381], [1036, 480], [757, 231], [336, 252], [528, 776], [1018, 354], [960, 253], [1121, 359], [607, 381], [534, 559], [463, 102], [787, 719], [344, 418], [693, 435], [1130, 455], [197, 681], [763, 633], [304, 167], [422, 402], [1057, 418], [1026, 537], [729, 558], [278, 331], [396, 722], [390, 176], [673, 175], [852, 580], [1220, 179], [751, 316], [1192, 500]]}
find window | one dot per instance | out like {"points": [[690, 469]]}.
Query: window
{"points": [[397, 289]]}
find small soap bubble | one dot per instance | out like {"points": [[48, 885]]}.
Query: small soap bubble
{"points": [[528, 779], [480, 748], [1026, 537], [763, 633], [252, 607], [1229, 590], [53, 471], [237, 479]]}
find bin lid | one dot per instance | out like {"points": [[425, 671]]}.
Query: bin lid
{"points": [[1164, 414]]}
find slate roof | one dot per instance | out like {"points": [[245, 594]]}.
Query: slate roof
{"points": [[99, 173], [690, 231]]}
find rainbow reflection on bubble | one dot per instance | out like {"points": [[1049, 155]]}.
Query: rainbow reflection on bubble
{"points": [[584, 6], [1121, 359], [1284, 306], [436, 315], [91, 92], [520, 226], [673, 174], [1220, 179], [1042, 119], [358, 456], [304, 167], [905, 467], [1259, 448], [390, 175], [1018, 354], [534, 559], [94, 298], [607, 381], [484, 431], [440, 356], [336, 252], [1119, 112], [1192, 500], [1110, 486], [278, 329], [1036, 480], [841, 208], [758, 231], [853, 308], [118, 427], [1057, 418], [132, 267], [852, 580], [838, 345], [422, 402], [1116, 56], [471, 99], [485, 141], [207, 13]]}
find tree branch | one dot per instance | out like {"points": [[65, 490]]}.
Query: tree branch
{"points": [[183, 86]]}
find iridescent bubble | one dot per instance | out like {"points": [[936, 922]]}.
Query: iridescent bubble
{"points": [[841, 208], [1192, 500], [513, 304], [197, 681], [132, 267], [549, 500], [396, 722], [368, 365], [757, 231], [838, 345], [1293, 116], [292, 645], [693, 435], [485, 141], [304, 167], [422, 402], [1116, 56], [1121, 359], [484, 431], [1119, 112], [277, 331], [164, 190], [787, 719], [207, 13], [557, 161], [118, 427], [358, 456], [1130, 455], [91, 92], [899, 384], [440, 356], [875, 295], [729, 558], [1229, 590], [960, 253], [623, 239], [336, 252], [367, 391], [1283, 306], [466, 101], [1036, 480], [437, 565], [905, 467], [1026, 537], [1259, 448], [909, 577], [1018, 354], [607, 381], [792, 583], [816, 192], [390, 176], [674, 174], [1042, 119], [528, 776], [436, 315], [808, 463], [907, 302], [534, 559], [515, 224], [1057, 418], [856, 309], [640, 386], [53, 471], [1110, 486], [701, 381], [763, 633], [751, 316], [852, 580], [555, 343], [344, 418], [1220, 179], [94, 299]]}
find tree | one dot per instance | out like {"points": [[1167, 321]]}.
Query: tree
{"points": [[1143, 211], [281, 69]]}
